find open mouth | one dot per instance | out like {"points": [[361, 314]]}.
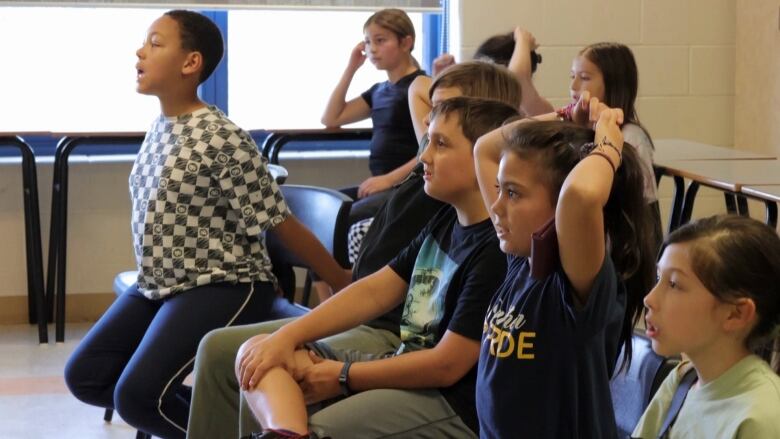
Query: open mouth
{"points": [[650, 329]]}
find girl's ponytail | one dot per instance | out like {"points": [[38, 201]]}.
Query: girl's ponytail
{"points": [[631, 231]]}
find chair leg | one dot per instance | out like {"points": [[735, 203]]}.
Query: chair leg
{"points": [[109, 414]]}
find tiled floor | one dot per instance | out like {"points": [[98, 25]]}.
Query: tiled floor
{"points": [[34, 402]]}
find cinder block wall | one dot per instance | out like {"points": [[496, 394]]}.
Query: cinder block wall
{"points": [[757, 106], [685, 50]]}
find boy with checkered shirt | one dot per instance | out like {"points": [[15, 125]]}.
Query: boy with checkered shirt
{"points": [[201, 198]]}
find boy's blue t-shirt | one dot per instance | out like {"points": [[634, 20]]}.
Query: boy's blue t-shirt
{"points": [[393, 141], [545, 363], [452, 272]]}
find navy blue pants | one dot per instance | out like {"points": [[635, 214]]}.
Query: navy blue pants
{"points": [[136, 356]]}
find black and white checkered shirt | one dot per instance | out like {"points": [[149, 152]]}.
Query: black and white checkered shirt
{"points": [[202, 197]]}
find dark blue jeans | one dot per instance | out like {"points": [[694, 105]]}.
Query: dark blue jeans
{"points": [[136, 356]]}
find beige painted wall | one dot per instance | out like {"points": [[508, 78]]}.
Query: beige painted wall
{"points": [[757, 103], [684, 50]]}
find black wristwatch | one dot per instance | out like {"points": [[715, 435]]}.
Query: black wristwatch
{"points": [[344, 379]]}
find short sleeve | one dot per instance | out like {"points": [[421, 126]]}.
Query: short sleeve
{"points": [[368, 95], [635, 136], [403, 263], [484, 273], [249, 187], [605, 301]]}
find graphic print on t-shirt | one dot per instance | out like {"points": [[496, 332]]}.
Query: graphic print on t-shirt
{"points": [[424, 306], [504, 333]]}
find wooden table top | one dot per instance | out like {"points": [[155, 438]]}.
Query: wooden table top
{"points": [[679, 149], [728, 175]]}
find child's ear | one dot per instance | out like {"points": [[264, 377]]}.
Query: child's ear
{"points": [[193, 63], [407, 42], [742, 316]]}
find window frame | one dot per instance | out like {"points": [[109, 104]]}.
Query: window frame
{"points": [[215, 91]]}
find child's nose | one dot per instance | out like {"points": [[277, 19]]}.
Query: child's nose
{"points": [[425, 156], [496, 208], [649, 299]]}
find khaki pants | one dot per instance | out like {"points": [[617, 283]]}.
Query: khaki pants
{"points": [[217, 410]]}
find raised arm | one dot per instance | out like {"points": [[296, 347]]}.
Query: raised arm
{"points": [[442, 62], [579, 217], [420, 104], [359, 302], [532, 104], [339, 111], [487, 155]]}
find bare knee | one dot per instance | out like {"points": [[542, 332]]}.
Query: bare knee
{"points": [[245, 347]]}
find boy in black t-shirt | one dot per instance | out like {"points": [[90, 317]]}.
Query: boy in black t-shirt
{"points": [[214, 411], [445, 279]]}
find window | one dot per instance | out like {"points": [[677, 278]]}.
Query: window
{"points": [[72, 69], [283, 65]]}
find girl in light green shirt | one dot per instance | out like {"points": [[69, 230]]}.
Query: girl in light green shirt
{"points": [[717, 301]]}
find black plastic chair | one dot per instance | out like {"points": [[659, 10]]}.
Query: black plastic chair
{"points": [[633, 389], [326, 213]]}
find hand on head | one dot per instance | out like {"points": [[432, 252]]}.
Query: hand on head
{"points": [[607, 124], [442, 62], [525, 38], [358, 56]]}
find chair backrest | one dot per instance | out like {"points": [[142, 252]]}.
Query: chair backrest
{"points": [[633, 389], [325, 212]]}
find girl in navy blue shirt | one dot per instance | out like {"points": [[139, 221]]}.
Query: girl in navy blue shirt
{"points": [[551, 339], [388, 43]]}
